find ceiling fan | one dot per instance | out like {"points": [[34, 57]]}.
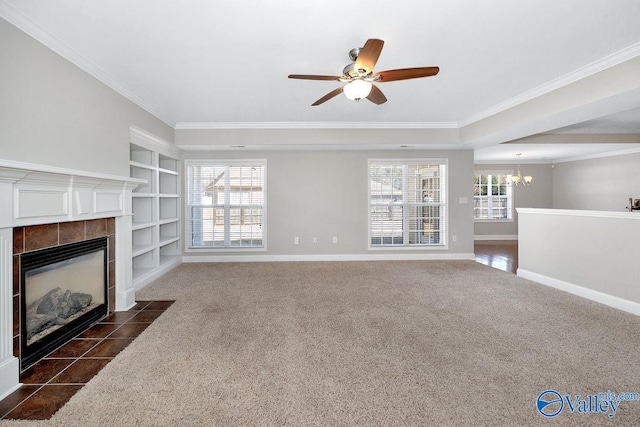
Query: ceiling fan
{"points": [[360, 77]]}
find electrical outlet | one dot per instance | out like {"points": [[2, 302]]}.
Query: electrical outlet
{"points": [[296, 240], [335, 239], [454, 238], [315, 240]]}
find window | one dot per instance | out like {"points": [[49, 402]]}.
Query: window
{"points": [[407, 203], [226, 203], [492, 196]]}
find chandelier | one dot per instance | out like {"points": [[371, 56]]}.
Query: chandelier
{"points": [[519, 179]]}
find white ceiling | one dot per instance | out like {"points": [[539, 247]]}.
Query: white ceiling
{"points": [[224, 63]]}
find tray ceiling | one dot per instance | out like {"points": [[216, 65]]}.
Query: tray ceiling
{"points": [[224, 64]]}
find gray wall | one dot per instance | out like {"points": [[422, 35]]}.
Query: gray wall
{"points": [[53, 113], [324, 194], [603, 184], [536, 195], [571, 249]]}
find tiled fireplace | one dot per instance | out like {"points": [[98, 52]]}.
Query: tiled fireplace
{"points": [[46, 207], [64, 244]]}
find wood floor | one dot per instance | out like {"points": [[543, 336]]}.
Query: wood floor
{"points": [[500, 254]]}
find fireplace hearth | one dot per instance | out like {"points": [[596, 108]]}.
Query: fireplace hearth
{"points": [[64, 291]]}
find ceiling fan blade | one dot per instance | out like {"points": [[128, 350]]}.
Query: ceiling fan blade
{"points": [[369, 55], [376, 96], [328, 96], [312, 77], [406, 73]]}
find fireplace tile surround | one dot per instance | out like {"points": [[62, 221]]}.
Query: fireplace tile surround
{"points": [[36, 237]]}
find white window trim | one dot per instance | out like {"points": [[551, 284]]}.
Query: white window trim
{"points": [[187, 223], [392, 161], [513, 209]]}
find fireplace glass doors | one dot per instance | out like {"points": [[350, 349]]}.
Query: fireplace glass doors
{"points": [[64, 291]]}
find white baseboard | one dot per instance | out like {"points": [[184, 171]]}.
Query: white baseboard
{"points": [[495, 237], [341, 257], [597, 296], [9, 379]]}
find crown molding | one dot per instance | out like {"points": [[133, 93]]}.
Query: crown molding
{"points": [[320, 147], [602, 64], [141, 137], [598, 155], [314, 125], [19, 20]]}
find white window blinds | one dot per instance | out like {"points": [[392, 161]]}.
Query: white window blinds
{"points": [[492, 196], [407, 202], [226, 204]]}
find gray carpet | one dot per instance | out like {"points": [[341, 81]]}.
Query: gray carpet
{"points": [[361, 343]]}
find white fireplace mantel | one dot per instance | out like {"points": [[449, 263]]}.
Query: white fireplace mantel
{"points": [[32, 194]]}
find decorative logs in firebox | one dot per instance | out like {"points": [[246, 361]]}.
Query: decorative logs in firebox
{"points": [[56, 308]]}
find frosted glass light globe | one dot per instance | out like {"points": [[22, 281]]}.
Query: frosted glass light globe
{"points": [[357, 89]]}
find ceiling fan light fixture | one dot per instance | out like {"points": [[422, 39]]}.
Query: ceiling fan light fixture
{"points": [[357, 89], [358, 75]]}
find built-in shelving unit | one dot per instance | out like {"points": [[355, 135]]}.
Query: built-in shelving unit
{"points": [[156, 230]]}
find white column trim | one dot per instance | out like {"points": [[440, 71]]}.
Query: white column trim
{"points": [[125, 292], [9, 366]]}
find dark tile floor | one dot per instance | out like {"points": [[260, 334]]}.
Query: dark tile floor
{"points": [[500, 254], [51, 382]]}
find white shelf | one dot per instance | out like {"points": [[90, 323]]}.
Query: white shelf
{"points": [[168, 172], [168, 163], [141, 249], [156, 207], [141, 225], [169, 208], [143, 156], [166, 240], [142, 165], [168, 220], [169, 232]]}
